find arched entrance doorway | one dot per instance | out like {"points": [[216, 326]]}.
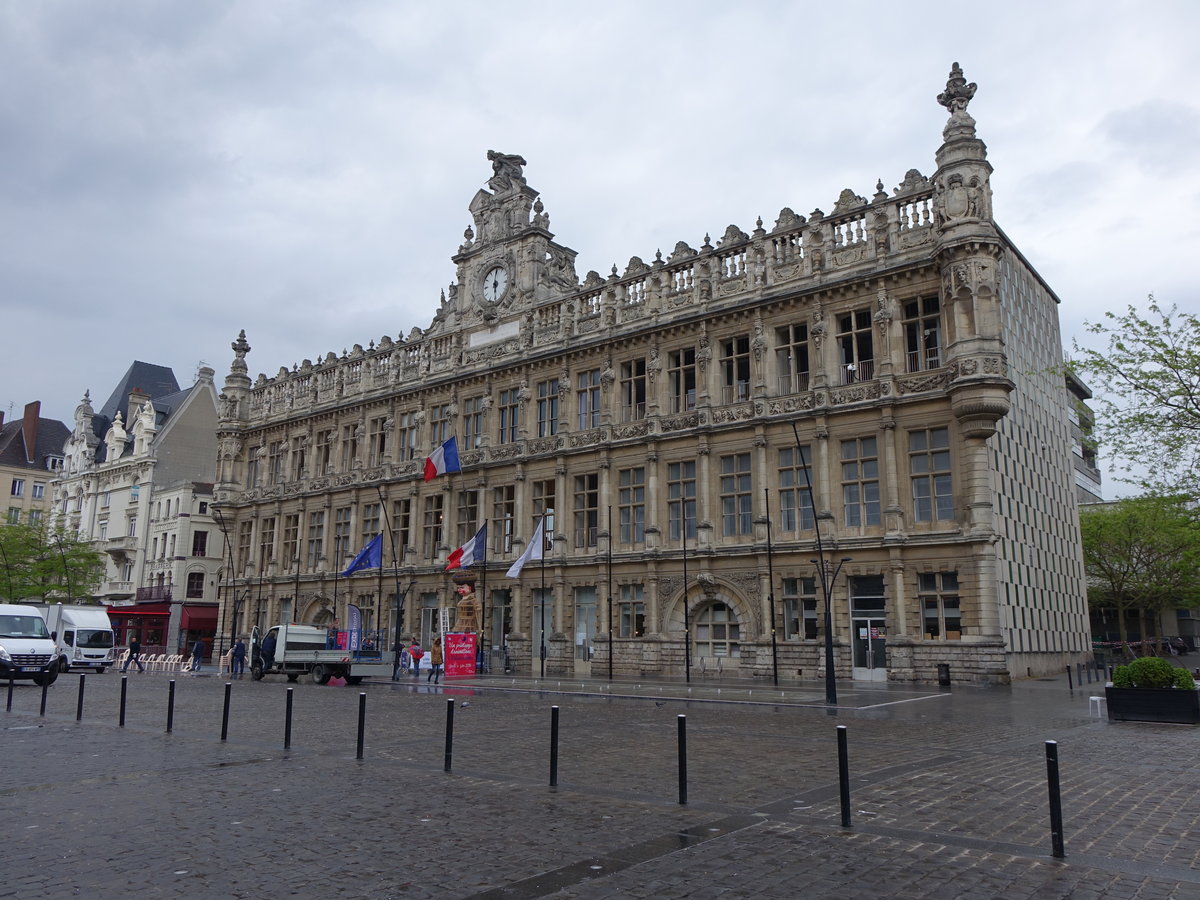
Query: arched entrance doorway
{"points": [[720, 619]]}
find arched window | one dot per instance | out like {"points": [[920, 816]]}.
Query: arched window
{"points": [[717, 632]]}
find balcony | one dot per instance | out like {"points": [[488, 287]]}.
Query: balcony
{"points": [[120, 546], [160, 592], [863, 370]]}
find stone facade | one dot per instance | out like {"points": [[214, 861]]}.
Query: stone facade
{"points": [[887, 372]]}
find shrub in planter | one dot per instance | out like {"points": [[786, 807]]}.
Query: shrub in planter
{"points": [[1152, 690], [1152, 672]]}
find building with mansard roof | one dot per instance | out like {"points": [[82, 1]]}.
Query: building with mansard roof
{"points": [[30, 455], [885, 375]]}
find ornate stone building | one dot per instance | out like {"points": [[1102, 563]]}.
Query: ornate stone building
{"points": [[897, 352]]}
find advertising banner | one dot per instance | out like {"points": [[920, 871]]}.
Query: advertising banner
{"points": [[459, 651]]}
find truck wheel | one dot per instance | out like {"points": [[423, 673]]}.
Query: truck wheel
{"points": [[63, 665], [48, 677], [320, 674], [256, 672], [354, 679], [100, 670]]}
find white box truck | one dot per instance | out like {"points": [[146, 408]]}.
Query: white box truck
{"points": [[295, 650], [26, 650], [84, 636]]}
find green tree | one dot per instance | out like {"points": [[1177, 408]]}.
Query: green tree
{"points": [[39, 564], [1142, 554], [1147, 384]]}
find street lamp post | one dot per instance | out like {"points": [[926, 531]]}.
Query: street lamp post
{"points": [[66, 570]]}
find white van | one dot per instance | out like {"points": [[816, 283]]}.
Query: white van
{"points": [[26, 650], [83, 636]]}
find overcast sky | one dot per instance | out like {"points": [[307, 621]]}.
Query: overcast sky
{"points": [[172, 172]]}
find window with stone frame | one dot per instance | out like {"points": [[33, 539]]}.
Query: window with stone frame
{"points": [[199, 543], [431, 526], [735, 368], [800, 609], [923, 334], [18, 487], [467, 519], [631, 505], [681, 500], [275, 457], [473, 410], [291, 541], [941, 613], [297, 463], [407, 436], [681, 375], [253, 466], [377, 441], [860, 482], [508, 412], [195, 585], [504, 513], [587, 398], [718, 634], [315, 547], [587, 509], [440, 426], [791, 358], [39, 490], [342, 546], [266, 541], [632, 611], [856, 346], [402, 525], [737, 501], [543, 505], [369, 522], [323, 452], [547, 407], [14, 515], [932, 484], [349, 447], [244, 544], [633, 390], [795, 492]]}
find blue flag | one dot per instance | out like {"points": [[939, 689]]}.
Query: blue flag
{"points": [[370, 557]]}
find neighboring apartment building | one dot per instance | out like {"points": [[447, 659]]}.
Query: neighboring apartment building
{"points": [[898, 353], [137, 483], [30, 455], [1088, 488]]}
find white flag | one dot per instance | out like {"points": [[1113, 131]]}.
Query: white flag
{"points": [[533, 551]]}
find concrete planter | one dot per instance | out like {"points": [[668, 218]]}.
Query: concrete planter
{"points": [[1153, 705]]}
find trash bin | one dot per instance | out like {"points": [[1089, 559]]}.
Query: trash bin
{"points": [[943, 674]]}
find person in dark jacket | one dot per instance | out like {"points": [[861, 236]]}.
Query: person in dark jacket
{"points": [[237, 664], [135, 655], [268, 652], [197, 655]]}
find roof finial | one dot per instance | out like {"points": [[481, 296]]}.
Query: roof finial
{"points": [[958, 93]]}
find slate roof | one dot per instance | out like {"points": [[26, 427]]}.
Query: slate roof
{"points": [[51, 435], [156, 381]]}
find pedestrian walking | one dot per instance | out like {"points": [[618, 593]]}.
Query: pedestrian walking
{"points": [[237, 666], [401, 660], [435, 662], [135, 656], [414, 654], [197, 655]]}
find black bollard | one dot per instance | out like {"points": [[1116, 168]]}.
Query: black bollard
{"points": [[362, 722], [10, 687], [1070, 683], [287, 722], [449, 732], [45, 689], [682, 732], [79, 702], [844, 774], [170, 704], [1079, 673], [1056, 823], [554, 746], [225, 711], [124, 689]]}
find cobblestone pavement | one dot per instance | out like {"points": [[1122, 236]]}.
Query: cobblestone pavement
{"points": [[948, 791]]}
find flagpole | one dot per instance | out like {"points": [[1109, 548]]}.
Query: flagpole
{"points": [[771, 590], [611, 644], [542, 598], [387, 521], [379, 599], [483, 654], [687, 620]]}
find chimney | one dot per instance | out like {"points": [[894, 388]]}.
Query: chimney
{"points": [[29, 429], [137, 399]]}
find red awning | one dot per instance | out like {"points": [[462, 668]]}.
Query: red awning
{"points": [[162, 608], [199, 618]]}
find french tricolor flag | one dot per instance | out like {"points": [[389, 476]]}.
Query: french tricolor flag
{"points": [[469, 553], [442, 460]]}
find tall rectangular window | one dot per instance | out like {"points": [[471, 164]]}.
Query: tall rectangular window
{"points": [[324, 451], [266, 541], [856, 346], [473, 409], [18, 487], [587, 398], [199, 543], [369, 526], [439, 424], [291, 540], [315, 547], [275, 457], [941, 614], [297, 463], [195, 585], [543, 504], [547, 407], [736, 499], [735, 368], [681, 373], [39, 490], [341, 536], [408, 437], [431, 527], [791, 358], [402, 525], [929, 463], [631, 505], [587, 509], [509, 412], [800, 608], [468, 515], [632, 608], [349, 447], [795, 495], [923, 333], [860, 482], [681, 499], [244, 544], [633, 390], [376, 441], [253, 465], [504, 513]]}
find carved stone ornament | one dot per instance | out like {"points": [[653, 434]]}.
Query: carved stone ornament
{"points": [[788, 220], [848, 201], [958, 93]]}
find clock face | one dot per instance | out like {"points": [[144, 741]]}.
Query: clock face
{"points": [[495, 282]]}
